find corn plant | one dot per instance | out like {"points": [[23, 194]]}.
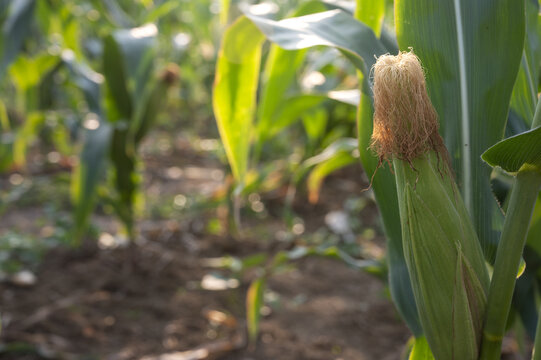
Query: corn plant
{"points": [[122, 103], [482, 68], [133, 95], [49, 48]]}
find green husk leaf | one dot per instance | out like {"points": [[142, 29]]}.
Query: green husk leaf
{"points": [[444, 258]]}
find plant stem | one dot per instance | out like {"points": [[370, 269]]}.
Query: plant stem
{"points": [[515, 229]]}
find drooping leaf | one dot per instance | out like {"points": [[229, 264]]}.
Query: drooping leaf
{"points": [[514, 152], [343, 145], [333, 28], [471, 51], [235, 89], [332, 252]]}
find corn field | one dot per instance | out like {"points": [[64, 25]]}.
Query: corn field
{"points": [[314, 179]]}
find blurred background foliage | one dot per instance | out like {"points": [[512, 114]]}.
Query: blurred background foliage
{"points": [[84, 82]]}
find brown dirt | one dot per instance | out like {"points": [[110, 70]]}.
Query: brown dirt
{"points": [[90, 302], [145, 302]]}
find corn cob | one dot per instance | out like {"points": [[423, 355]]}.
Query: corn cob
{"points": [[444, 259]]}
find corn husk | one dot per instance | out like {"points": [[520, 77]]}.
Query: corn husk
{"points": [[444, 259]]}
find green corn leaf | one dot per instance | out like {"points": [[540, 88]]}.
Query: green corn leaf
{"points": [[115, 13], [371, 13], [125, 177], [14, 30], [324, 169], [28, 72], [133, 100], [524, 97], [534, 233], [26, 135], [233, 115], [335, 149], [421, 350], [514, 152], [254, 302], [290, 110], [127, 66], [280, 70], [235, 89], [315, 124], [471, 51], [359, 43], [93, 159], [297, 106], [161, 10], [344, 5], [151, 104], [4, 119], [116, 80], [225, 5], [331, 252], [137, 47], [353, 38], [343, 145]]}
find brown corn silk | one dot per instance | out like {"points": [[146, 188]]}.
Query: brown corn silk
{"points": [[405, 122]]}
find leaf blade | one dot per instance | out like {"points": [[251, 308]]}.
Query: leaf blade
{"points": [[471, 52], [235, 87]]}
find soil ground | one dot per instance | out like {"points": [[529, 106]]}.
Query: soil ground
{"points": [[146, 301]]}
